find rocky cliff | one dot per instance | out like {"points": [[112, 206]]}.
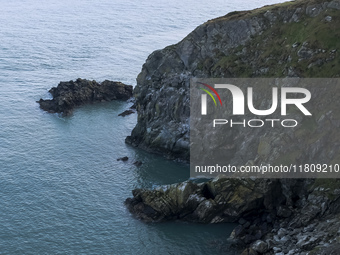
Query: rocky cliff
{"points": [[293, 39]]}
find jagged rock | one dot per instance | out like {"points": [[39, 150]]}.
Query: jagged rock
{"points": [[328, 18], [125, 113], [249, 251], [260, 246], [284, 212], [68, 95], [222, 198], [138, 163], [250, 202], [166, 202], [123, 159], [305, 53]]}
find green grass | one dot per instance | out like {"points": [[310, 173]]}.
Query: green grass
{"points": [[288, 158], [328, 186], [273, 48]]}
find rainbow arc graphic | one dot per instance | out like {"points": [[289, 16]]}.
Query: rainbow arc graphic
{"points": [[204, 97], [209, 93]]}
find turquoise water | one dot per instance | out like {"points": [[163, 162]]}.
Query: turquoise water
{"points": [[61, 188]]}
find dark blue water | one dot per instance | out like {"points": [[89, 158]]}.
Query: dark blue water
{"points": [[61, 187]]}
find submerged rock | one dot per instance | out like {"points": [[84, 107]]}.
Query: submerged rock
{"points": [[68, 95], [123, 159], [125, 113], [138, 163]]}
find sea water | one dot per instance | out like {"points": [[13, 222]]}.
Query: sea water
{"points": [[62, 189]]}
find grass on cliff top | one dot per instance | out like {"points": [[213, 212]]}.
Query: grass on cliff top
{"points": [[237, 15], [273, 49], [321, 37], [320, 33]]}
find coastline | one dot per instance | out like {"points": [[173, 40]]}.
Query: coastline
{"points": [[62, 188], [275, 216]]}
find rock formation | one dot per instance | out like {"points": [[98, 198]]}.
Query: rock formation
{"points": [[288, 216], [293, 39], [68, 95], [220, 200], [126, 112]]}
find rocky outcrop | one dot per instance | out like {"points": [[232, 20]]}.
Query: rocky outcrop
{"points": [[294, 39], [126, 112], [68, 95], [220, 200], [307, 223], [274, 216]]}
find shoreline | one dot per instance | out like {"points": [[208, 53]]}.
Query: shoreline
{"points": [[275, 216], [265, 224]]}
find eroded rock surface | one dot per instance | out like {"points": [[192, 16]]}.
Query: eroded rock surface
{"points": [[68, 95], [294, 39], [271, 220], [219, 200]]}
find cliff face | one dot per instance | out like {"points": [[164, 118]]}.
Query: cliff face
{"points": [[293, 39]]}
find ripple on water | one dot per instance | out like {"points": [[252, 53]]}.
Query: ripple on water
{"points": [[62, 190]]}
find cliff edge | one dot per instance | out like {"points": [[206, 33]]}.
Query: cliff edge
{"points": [[292, 39], [278, 216]]}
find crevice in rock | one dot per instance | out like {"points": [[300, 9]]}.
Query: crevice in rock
{"points": [[207, 193]]}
